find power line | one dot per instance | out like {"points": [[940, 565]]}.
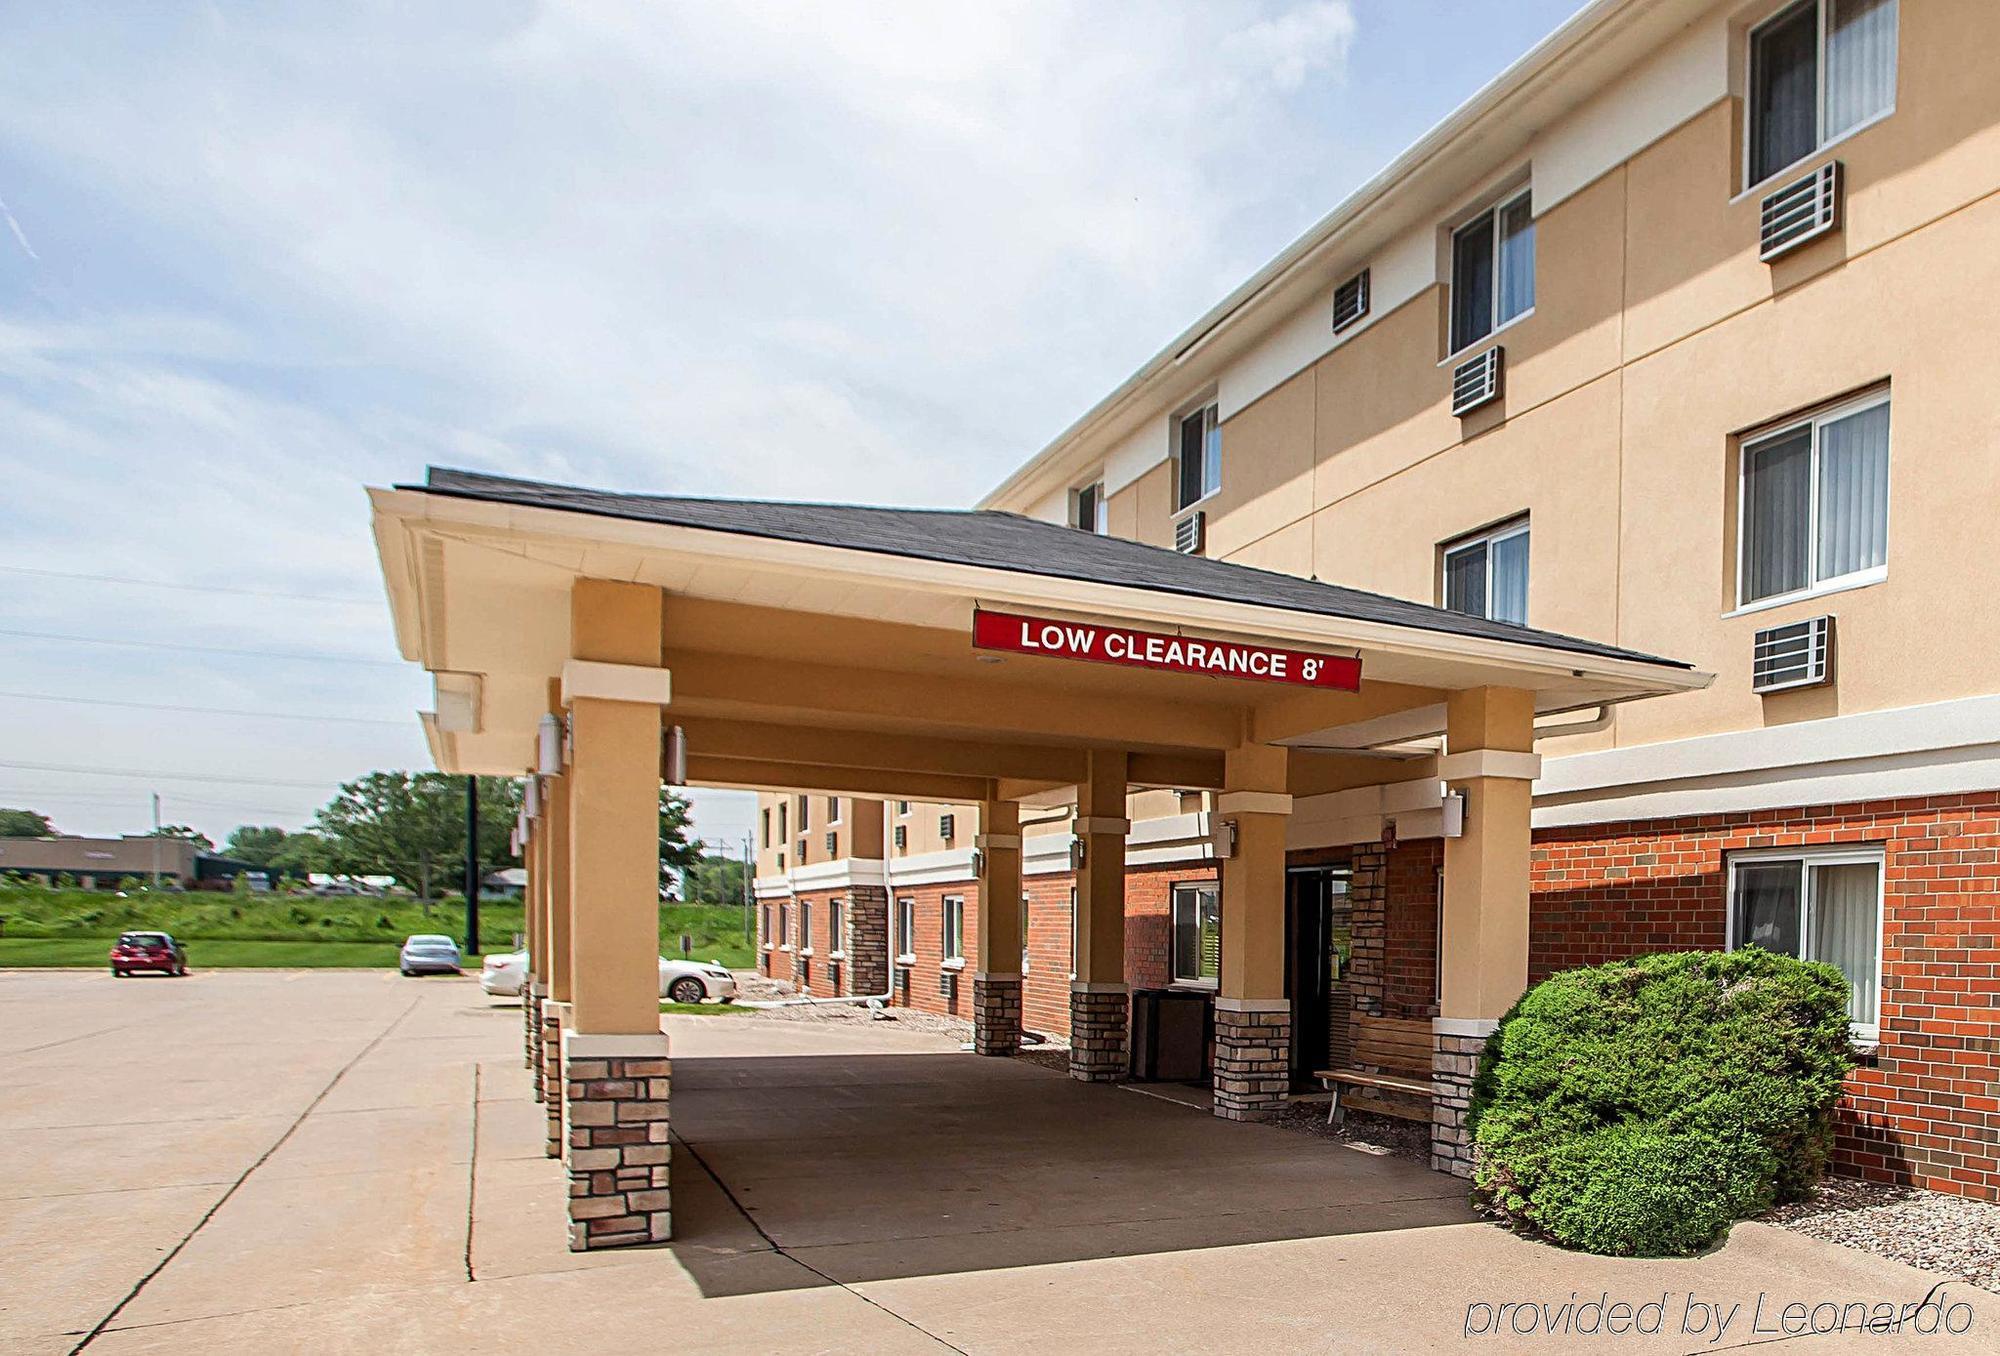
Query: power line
{"points": [[158, 775], [300, 655], [14, 796], [347, 600], [199, 710]]}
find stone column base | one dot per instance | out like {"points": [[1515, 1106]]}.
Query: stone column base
{"points": [[530, 1021], [996, 1014], [1100, 1017], [1253, 1057], [533, 997], [555, 1016], [1456, 1044], [615, 1126]]}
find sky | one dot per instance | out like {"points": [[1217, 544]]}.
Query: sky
{"points": [[257, 256]]}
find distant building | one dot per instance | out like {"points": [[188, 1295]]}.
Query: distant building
{"points": [[508, 884], [100, 863]]}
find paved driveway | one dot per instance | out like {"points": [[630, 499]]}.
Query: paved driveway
{"points": [[267, 1161]]}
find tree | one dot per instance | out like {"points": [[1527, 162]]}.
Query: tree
{"points": [[186, 834], [303, 852], [713, 880], [677, 850], [257, 844], [25, 824], [411, 826]]}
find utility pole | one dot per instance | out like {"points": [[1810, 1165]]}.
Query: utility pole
{"points": [[156, 840], [471, 866], [746, 890]]}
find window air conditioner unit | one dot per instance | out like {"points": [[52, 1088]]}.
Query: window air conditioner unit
{"points": [[1797, 654], [1190, 532], [1803, 210], [1350, 301], [802, 849], [832, 844], [946, 823], [947, 983], [1476, 381], [902, 837]]}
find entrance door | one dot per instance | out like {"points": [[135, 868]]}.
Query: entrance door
{"points": [[1316, 947]]}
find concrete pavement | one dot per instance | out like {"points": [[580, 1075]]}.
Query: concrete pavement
{"points": [[260, 1161]]}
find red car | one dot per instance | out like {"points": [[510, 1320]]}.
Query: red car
{"points": [[136, 951]]}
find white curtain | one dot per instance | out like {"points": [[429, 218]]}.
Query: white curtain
{"points": [[1854, 493], [1517, 259], [1846, 930], [1777, 516], [1860, 61], [1767, 906], [1510, 579]]}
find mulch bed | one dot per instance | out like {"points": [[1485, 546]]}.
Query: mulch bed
{"points": [[1955, 1235]]}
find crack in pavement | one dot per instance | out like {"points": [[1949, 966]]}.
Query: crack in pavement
{"points": [[222, 1200]]}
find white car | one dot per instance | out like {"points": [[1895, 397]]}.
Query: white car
{"points": [[684, 981]]}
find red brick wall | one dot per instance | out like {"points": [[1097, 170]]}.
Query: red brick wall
{"points": [[1409, 965], [1149, 921], [819, 965], [922, 986], [1927, 1109], [1045, 986]]}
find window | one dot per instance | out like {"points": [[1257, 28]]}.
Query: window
{"points": [[767, 826], [770, 937], [1815, 504], [902, 807], [1198, 457], [1197, 933], [1072, 932], [953, 915], [785, 926], [836, 926], [1824, 906], [833, 810], [805, 925], [805, 813], [1487, 575], [783, 832], [1086, 508], [906, 927], [1492, 270], [1818, 70], [1024, 932]]}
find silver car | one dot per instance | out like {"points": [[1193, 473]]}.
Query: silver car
{"points": [[428, 953]]}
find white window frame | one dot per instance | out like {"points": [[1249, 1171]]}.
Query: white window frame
{"points": [[836, 923], [1868, 1033], [1072, 934], [1493, 210], [834, 818], [1209, 410], [1193, 888], [951, 932], [902, 809], [784, 927], [1821, 142], [1839, 583], [1024, 932], [769, 921], [805, 927], [1100, 523], [803, 813], [1507, 531], [906, 930]]}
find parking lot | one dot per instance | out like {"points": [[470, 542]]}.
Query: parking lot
{"points": [[260, 1161]]}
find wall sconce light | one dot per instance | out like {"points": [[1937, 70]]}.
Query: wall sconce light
{"points": [[676, 760], [1078, 853], [978, 863], [1389, 835], [1454, 806], [531, 798], [549, 746], [1225, 840]]}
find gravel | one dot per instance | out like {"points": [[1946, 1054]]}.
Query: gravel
{"points": [[1955, 1235], [1388, 1136]]}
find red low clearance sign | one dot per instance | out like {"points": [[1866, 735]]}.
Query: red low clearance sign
{"points": [[1101, 644]]}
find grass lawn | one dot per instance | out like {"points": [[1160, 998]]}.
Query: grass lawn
{"points": [[77, 927], [23, 951], [702, 1009]]}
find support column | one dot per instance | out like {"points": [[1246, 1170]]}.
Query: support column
{"points": [[1253, 1018], [996, 985], [867, 939], [615, 1068], [1100, 1003], [1483, 934], [531, 1007], [555, 832]]}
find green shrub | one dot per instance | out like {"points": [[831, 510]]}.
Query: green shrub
{"points": [[1637, 1108]]}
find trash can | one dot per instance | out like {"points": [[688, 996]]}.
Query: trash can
{"points": [[1169, 1035]]}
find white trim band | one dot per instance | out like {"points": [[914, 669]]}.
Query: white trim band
{"points": [[1253, 1005], [1464, 1026], [1253, 803], [648, 686], [1458, 767]]}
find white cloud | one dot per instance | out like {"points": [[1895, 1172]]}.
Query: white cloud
{"points": [[846, 250]]}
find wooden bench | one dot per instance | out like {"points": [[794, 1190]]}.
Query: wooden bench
{"points": [[1391, 1055]]}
